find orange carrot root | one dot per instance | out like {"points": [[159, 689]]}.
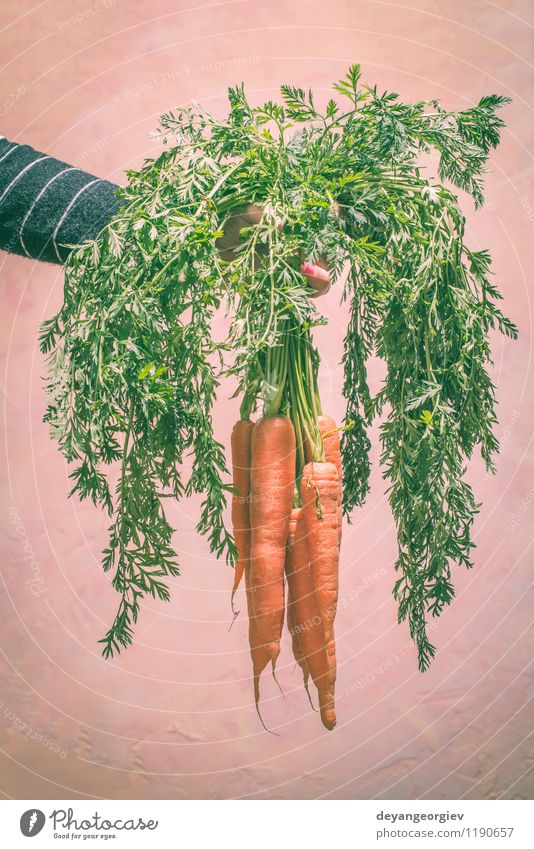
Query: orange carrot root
{"points": [[332, 450], [272, 480], [241, 441], [320, 499], [304, 619]]}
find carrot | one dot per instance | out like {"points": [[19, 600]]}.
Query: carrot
{"points": [[320, 498], [332, 454], [272, 481], [332, 451], [241, 447], [292, 568], [304, 620]]}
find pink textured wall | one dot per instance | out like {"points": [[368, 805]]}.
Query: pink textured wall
{"points": [[173, 716]]}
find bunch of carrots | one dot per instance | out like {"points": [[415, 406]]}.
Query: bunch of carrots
{"points": [[286, 515]]}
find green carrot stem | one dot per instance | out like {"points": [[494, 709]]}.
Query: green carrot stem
{"points": [[300, 457], [276, 376], [249, 399], [300, 397], [309, 418]]}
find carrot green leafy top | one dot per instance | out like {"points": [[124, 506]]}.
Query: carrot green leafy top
{"points": [[134, 365]]}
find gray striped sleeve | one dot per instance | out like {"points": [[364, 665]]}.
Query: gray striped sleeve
{"points": [[47, 205]]}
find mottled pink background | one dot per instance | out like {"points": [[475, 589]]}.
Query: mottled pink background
{"points": [[173, 717]]}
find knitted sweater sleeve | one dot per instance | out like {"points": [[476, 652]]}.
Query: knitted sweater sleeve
{"points": [[47, 205]]}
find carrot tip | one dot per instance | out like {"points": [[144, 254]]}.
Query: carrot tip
{"points": [[257, 700], [328, 718], [236, 614], [309, 696], [277, 681], [234, 590]]}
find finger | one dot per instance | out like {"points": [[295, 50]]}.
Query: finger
{"points": [[318, 277], [315, 272]]}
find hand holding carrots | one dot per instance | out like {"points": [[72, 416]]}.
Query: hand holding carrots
{"points": [[316, 273]]}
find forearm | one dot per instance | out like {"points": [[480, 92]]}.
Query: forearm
{"points": [[46, 204]]}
